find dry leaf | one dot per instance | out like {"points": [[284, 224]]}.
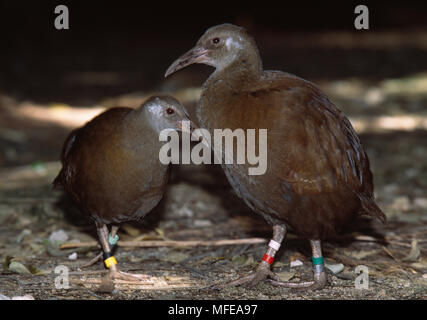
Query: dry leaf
{"points": [[422, 265], [18, 267], [238, 260], [415, 252], [278, 264], [296, 263], [286, 275], [297, 256], [359, 255]]}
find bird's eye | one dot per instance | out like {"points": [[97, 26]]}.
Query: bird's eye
{"points": [[170, 111], [215, 40]]}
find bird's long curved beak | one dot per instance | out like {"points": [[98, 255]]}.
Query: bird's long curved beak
{"points": [[195, 55]]}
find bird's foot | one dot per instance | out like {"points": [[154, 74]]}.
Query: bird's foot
{"points": [[319, 282], [113, 238], [261, 273], [108, 282]]}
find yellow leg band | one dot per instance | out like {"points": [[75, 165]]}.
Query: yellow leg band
{"points": [[110, 261]]}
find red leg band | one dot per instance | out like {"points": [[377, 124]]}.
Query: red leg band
{"points": [[268, 259]]}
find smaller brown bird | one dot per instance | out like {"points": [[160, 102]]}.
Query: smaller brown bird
{"points": [[111, 167]]}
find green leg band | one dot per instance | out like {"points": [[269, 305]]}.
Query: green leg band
{"points": [[317, 261], [113, 240]]}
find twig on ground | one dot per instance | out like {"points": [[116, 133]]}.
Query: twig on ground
{"points": [[170, 243]]}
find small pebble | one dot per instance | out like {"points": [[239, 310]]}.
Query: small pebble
{"points": [[420, 203], [73, 256], [335, 268], [59, 235]]}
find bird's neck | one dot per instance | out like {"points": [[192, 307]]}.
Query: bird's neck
{"points": [[240, 72], [137, 124]]}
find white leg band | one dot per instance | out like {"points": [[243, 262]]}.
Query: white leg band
{"points": [[318, 268], [274, 244]]}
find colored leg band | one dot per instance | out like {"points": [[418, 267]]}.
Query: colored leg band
{"points": [[110, 261], [317, 260], [318, 268], [268, 259], [113, 240], [274, 245]]}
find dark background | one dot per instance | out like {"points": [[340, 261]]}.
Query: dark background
{"points": [[139, 39]]}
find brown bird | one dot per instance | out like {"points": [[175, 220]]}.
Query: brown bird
{"points": [[111, 167], [317, 176]]}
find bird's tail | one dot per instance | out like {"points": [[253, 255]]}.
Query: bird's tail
{"points": [[371, 208], [57, 183]]}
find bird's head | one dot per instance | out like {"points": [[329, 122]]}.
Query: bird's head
{"points": [[219, 46], [165, 112]]}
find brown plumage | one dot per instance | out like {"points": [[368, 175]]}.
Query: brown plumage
{"points": [[318, 175], [111, 166], [317, 171], [106, 173]]}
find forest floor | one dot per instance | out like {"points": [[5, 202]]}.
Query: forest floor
{"points": [[390, 116]]}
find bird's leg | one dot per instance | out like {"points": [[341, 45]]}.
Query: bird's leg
{"points": [[112, 240], [110, 261], [320, 278], [113, 237], [262, 271]]}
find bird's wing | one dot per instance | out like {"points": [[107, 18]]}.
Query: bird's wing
{"points": [[79, 136], [319, 150], [322, 149]]}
